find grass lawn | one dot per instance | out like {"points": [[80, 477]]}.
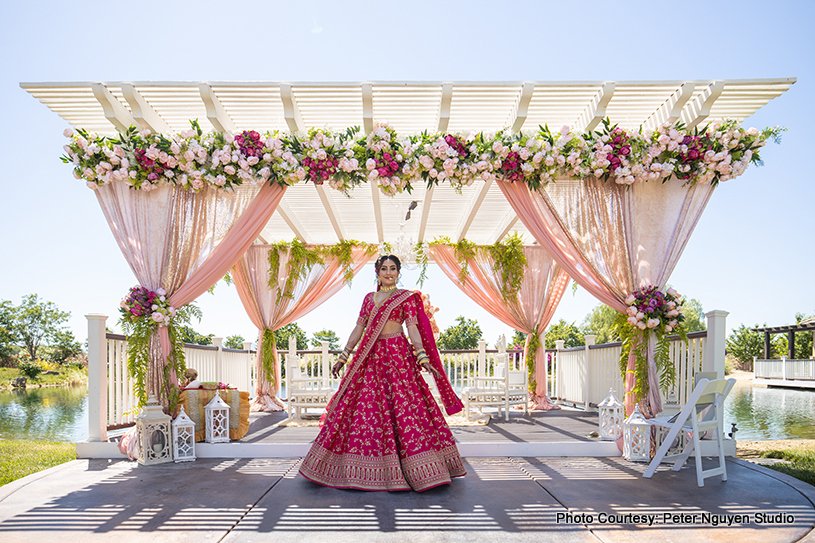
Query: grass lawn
{"points": [[21, 458], [65, 377], [801, 463]]}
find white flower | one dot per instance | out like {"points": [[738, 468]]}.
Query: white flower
{"points": [[229, 169], [640, 316], [370, 164], [632, 311], [672, 292], [158, 317], [668, 328], [67, 132], [641, 325], [632, 321], [630, 300], [750, 132], [652, 323]]}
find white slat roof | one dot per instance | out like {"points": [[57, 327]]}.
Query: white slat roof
{"points": [[321, 215]]}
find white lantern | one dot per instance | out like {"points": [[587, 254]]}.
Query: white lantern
{"points": [[217, 420], [153, 434], [611, 417], [183, 438], [637, 437]]}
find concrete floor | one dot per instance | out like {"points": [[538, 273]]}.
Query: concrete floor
{"points": [[500, 499]]}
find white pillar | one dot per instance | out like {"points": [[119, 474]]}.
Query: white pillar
{"points": [[219, 359], [250, 381], [97, 378], [813, 344], [713, 358], [482, 358], [325, 362], [559, 345], [587, 370]]}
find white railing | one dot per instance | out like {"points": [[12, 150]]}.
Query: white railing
{"points": [[461, 366], [784, 369], [213, 363], [585, 374]]}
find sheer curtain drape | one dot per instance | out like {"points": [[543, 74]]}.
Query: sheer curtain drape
{"points": [[611, 239], [267, 312], [529, 311], [184, 242]]}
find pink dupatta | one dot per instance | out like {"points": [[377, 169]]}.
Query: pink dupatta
{"points": [[376, 322]]}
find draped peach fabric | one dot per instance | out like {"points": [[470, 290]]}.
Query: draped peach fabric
{"points": [[183, 241], [531, 309], [613, 240], [269, 313]]}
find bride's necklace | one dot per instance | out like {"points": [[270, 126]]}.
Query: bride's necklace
{"points": [[387, 289]]}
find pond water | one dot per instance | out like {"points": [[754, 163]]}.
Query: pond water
{"points": [[770, 413], [47, 414], [61, 413]]}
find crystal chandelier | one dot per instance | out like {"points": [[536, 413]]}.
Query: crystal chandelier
{"points": [[404, 248]]}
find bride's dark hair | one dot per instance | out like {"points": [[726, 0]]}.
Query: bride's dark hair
{"points": [[381, 260]]}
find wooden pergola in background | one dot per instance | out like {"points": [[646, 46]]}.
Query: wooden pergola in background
{"points": [[790, 329]]}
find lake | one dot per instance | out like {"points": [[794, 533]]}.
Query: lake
{"points": [[61, 413]]}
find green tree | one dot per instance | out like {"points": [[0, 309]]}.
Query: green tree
{"points": [[63, 346], [188, 335], [519, 338], [695, 320], [601, 322], [464, 335], [234, 342], [37, 323], [567, 331], [326, 335], [803, 341], [7, 339], [744, 344], [282, 335]]}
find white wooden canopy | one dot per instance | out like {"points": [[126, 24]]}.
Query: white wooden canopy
{"points": [[480, 213]]}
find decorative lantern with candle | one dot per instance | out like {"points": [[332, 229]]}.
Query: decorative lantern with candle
{"points": [[637, 437], [153, 434], [611, 417], [217, 420], [183, 438]]}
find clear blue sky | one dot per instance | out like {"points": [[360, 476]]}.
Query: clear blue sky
{"points": [[751, 254]]}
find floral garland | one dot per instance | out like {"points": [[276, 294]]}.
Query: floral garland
{"points": [[650, 311], [193, 159], [142, 313]]}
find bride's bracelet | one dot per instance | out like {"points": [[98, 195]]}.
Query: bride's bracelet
{"points": [[343, 357]]}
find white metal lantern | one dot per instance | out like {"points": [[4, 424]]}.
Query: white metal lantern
{"points": [[153, 434], [611, 417], [183, 438], [637, 437], [217, 420]]}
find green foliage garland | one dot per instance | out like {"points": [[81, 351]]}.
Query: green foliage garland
{"points": [[302, 258], [267, 348], [509, 263], [531, 352]]}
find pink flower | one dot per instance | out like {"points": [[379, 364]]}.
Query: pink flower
{"points": [[67, 132]]}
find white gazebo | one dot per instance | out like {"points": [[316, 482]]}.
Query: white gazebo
{"points": [[480, 212]]}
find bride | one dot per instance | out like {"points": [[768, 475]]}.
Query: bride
{"points": [[383, 429]]}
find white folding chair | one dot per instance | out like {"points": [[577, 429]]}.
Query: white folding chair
{"points": [[306, 392], [701, 413], [504, 388]]}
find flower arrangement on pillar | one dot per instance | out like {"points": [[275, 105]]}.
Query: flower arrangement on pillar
{"points": [[143, 312], [644, 328]]}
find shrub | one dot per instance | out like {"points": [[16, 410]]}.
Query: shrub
{"points": [[32, 370]]}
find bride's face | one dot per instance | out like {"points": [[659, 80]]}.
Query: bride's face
{"points": [[388, 273]]}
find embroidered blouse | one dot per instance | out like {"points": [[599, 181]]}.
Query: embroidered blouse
{"points": [[407, 312]]}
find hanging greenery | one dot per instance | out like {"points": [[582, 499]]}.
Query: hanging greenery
{"points": [[267, 348], [142, 313], [509, 264], [650, 313], [531, 352], [303, 258]]}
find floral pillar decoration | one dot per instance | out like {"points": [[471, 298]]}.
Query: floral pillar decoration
{"points": [[651, 316]]}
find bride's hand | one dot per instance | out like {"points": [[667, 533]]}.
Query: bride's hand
{"points": [[335, 370], [428, 367]]}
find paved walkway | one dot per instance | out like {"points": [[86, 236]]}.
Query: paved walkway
{"points": [[500, 499]]}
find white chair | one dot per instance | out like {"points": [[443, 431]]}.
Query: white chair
{"points": [[504, 388], [701, 413], [306, 392]]}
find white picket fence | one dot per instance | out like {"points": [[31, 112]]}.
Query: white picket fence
{"points": [[580, 376], [213, 362], [784, 372], [584, 375]]}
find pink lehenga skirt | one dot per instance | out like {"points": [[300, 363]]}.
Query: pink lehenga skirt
{"points": [[386, 432]]}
